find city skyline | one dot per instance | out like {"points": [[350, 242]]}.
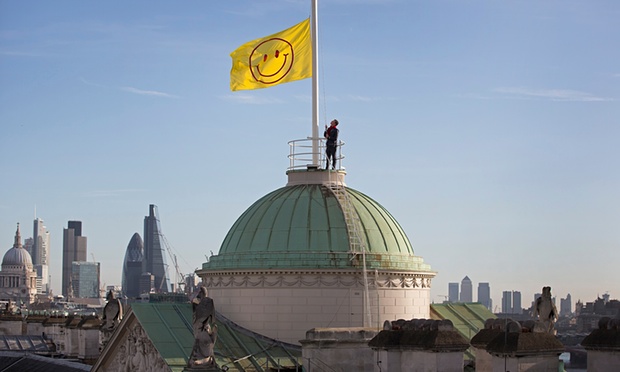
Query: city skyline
{"points": [[453, 287], [514, 301], [488, 130]]}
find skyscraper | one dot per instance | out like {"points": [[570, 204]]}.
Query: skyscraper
{"points": [[85, 279], [466, 290], [453, 292], [154, 260], [511, 302], [484, 295], [40, 254], [516, 303], [566, 308], [507, 302], [40, 246], [73, 249], [132, 267]]}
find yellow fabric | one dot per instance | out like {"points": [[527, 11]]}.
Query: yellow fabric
{"points": [[275, 59]]}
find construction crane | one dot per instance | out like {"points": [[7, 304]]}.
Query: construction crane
{"points": [[102, 289], [179, 276]]}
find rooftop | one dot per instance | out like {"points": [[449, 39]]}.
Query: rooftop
{"points": [[303, 226]]}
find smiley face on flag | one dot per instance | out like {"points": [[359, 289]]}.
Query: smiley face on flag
{"points": [[271, 60]]}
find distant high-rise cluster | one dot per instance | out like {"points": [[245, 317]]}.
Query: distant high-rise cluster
{"points": [[80, 278], [511, 302], [466, 292], [144, 266]]}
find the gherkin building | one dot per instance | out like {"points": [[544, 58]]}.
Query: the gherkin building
{"points": [[132, 267]]}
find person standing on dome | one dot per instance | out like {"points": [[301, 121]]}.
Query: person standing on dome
{"points": [[331, 135]]}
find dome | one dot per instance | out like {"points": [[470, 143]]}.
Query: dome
{"points": [[304, 227], [17, 256]]}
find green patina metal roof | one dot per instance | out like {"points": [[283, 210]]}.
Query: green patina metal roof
{"points": [[169, 327], [468, 318], [304, 227]]}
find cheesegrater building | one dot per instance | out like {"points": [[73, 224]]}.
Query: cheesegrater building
{"points": [[154, 259]]}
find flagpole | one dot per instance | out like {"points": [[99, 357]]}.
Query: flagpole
{"points": [[315, 83]]}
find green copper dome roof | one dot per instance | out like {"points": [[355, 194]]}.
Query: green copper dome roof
{"points": [[303, 227]]}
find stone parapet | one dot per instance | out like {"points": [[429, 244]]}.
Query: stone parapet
{"points": [[421, 334], [492, 328], [605, 338], [339, 348], [419, 345], [603, 346], [508, 345]]}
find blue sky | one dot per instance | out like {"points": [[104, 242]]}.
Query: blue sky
{"points": [[489, 129]]}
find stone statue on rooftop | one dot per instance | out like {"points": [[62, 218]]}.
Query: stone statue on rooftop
{"points": [[545, 312], [112, 312], [10, 307], [205, 332]]}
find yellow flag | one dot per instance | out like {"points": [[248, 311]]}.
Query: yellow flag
{"points": [[275, 59]]}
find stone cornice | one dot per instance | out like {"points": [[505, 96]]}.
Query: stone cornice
{"points": [[313, 278], [206, 273]]}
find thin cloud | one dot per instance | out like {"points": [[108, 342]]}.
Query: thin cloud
{"points": [[87, 82], [12, 53], [303, 97], [550, 94], [133, 90], [475, 96], [109, 193], [147, 92], [252, 100], [361, 98]]}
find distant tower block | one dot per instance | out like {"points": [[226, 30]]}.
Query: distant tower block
{"points": [[466, 290], [147, 282], [73, 249], [154, 260]]}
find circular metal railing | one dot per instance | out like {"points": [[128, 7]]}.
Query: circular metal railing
{"points": [[301, 155]]}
